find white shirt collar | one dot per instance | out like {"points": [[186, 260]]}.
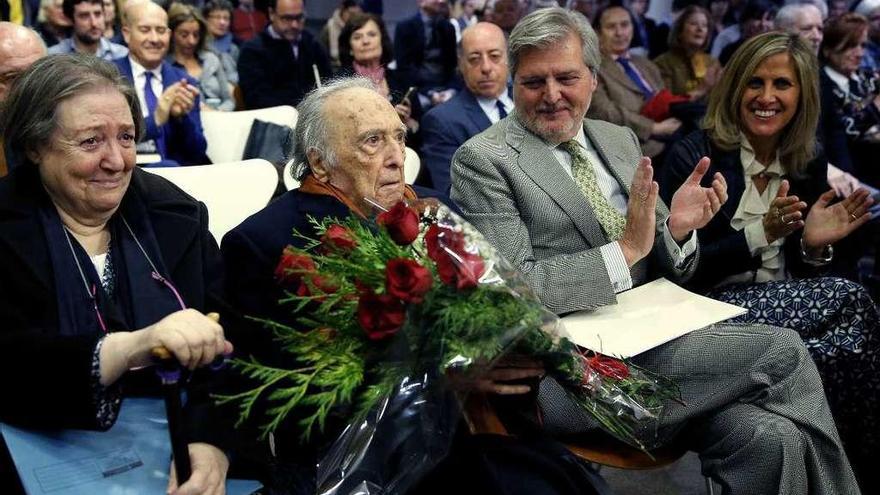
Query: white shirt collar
{"points": [[580, 137], [491, 110], [137, 70], [839, 79]]}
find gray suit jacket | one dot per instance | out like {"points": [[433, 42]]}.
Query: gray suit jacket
{"points": [[511, 187], [618, 100]]}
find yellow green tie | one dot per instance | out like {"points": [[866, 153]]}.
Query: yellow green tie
{"points": [[611, 220]]}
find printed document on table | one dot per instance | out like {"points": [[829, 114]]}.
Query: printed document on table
{"points": [[644, 318], [133, 457]]}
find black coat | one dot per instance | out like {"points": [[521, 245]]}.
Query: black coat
{"points": [[269, 75], [724, 251], [409, 50], [48, 382]]}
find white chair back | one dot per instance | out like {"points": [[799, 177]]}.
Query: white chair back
{"points": [[287, 176], [231, 191], [227, 132], [411, 165]]}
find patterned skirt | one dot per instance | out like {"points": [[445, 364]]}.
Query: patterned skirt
{"points": [[838, 322]]}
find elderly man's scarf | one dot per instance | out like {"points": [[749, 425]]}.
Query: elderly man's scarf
{"points": [[312, 185]]}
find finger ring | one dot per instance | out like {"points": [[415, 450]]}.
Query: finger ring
{"points": [[854, 217]]}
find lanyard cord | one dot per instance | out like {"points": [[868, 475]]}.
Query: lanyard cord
{"points": [[155, 274]]}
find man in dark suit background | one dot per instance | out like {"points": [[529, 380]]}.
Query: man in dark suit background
{"points": [[276, 67], [169, 97], [482, 60], [572, 204], [424, 46]]}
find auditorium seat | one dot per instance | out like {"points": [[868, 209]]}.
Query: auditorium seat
{"points": [[231, 191]]}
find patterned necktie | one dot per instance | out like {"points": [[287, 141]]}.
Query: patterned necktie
{"points": [[632, 74], [612, 221], [501, 111]]}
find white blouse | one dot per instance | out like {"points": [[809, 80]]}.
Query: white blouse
{"points": [[749, 218]]}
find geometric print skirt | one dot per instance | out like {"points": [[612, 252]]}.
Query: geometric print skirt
{"points": [[838, 322]]}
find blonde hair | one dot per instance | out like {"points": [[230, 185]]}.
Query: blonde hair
{"points": [[797, 144]]}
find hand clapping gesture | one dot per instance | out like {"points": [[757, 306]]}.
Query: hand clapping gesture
{"points": [[828, 224], [693, 205], [641, 215], [784, 216]]}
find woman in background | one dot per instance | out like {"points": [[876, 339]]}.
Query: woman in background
{"points": [[112, 23], [687, 68], [218, 15], [365, 49], [188, 51]]}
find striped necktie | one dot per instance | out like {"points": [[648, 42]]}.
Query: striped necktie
{"points": [[612, 221]]}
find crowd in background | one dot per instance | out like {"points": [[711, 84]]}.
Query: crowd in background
{"points": [[685, 86]]}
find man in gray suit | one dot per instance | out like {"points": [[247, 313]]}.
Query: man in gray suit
{"points": [[572, 203]]}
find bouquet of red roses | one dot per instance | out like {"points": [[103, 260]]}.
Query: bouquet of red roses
{"points": [[387, 313]]}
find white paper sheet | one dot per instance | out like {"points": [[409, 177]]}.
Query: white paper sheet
{"points": [[645, 317]]}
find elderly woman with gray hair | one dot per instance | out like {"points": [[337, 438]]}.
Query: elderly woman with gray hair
{"points": [[349, 156], [101, 263]]}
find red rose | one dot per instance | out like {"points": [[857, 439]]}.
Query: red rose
{"points": [[608, 366], [337, 237], [438, 238], [401, 222], [461, 270], [292, 267], [380, 316], [323, 284], [407, 280]]}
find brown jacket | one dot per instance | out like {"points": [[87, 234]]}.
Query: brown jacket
{"points": [[618, 100]]}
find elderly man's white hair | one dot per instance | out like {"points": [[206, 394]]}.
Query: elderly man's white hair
{"points": [[787, 17], [822, 5], [867, 7], [311, 125]]}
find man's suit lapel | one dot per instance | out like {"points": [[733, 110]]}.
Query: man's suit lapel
{"points": [[554, 181], [611, 158], [613, 71], [475, 113]]}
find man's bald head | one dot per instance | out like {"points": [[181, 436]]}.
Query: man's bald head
{"points": [[146, 33], [19, 48], [134, 9], [482, 59]]}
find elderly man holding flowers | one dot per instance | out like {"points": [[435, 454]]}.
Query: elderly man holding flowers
{"points": [[320, 248]]}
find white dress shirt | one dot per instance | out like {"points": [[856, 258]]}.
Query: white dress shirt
{"points": [[749, 218], [138, 74], [491, 109], [612, 254]]}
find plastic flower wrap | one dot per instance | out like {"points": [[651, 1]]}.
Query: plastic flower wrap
{"points": [[392, 317]]}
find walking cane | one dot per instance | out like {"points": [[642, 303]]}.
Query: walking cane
{"points": [[170, 373]]}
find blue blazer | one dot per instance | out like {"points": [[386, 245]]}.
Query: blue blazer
{"points": [[180, 139], [446, 127]]}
